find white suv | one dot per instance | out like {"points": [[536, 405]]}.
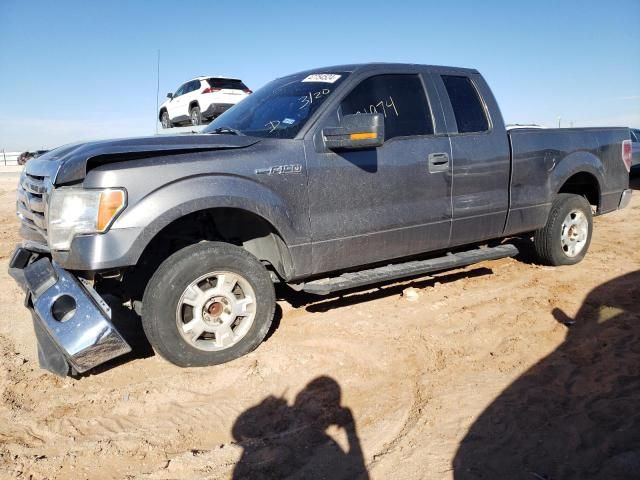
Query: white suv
{"points": [[202, 98]]}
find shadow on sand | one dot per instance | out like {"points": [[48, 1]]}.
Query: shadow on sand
{"points": [[575, 414], [282, 441]]}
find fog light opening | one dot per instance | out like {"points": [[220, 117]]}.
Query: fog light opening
{"points": [[63, 308]]}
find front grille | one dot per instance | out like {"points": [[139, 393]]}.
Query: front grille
{"points": [[33, 192]]}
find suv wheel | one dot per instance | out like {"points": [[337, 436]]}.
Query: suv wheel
{"points": [[219, 306], [565, 239], [196, 117], [165, 120]]}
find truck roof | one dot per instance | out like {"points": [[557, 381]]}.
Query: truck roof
{"points": [[359, 67], [381, 66]]}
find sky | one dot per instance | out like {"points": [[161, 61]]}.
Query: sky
{"points": [[79, 70]]}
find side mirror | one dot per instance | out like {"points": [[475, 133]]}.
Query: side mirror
{"points": [[363, 130], [169, 95]]}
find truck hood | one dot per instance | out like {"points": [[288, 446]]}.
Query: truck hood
{"points": [[69, 163]]}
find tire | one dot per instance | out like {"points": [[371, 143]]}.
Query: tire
{"points": [[165, 120], [566, 237], [168, 313], [196, 117]]}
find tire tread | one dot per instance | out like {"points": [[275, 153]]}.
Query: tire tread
{"points": [[545, 240], [155, 301]]}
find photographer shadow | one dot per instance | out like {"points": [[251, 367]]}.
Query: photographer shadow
{"points": [[282, 441], [576, 413]]}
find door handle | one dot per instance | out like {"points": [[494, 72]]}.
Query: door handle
{"points": [[438, 162]]}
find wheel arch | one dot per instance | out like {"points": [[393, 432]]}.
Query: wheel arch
{"points": [[580, 173], [584, 184], [243, 213], [232, 225]]}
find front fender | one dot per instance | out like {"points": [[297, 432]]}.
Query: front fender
{"points": [[173, 201], [140, 222]]}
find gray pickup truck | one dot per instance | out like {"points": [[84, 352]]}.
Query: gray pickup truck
{"points": [[325, 180]]}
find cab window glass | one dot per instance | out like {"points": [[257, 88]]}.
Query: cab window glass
{"points": [[180, 91], [400, 98], [193, 86], [466, 104]]}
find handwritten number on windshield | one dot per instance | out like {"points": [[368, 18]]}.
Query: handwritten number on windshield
{"points": [[272, 125], [311, 96], [305, 101]]}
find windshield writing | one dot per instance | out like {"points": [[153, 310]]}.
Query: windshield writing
{"points": [[280, 108]]}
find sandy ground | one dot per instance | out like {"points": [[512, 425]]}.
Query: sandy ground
{"points": [[505, 369]]}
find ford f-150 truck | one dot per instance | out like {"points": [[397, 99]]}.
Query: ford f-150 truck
{"points": [[325, 180]]}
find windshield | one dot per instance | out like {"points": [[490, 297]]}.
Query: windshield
{"points": [[280, 108]]}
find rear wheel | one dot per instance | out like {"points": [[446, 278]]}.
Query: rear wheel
{"points": [[165, 120], [196, 116], [208, 304], [565, 239]]}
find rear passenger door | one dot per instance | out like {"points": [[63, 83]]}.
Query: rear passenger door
{"points": [[387, 202], [480, 157]]}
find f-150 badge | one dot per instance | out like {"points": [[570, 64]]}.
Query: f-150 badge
{"points": [[280, 169]]}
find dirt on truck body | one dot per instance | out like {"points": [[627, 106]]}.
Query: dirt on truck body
{"points": [[325, 180], [419, 275], [502, 340]]}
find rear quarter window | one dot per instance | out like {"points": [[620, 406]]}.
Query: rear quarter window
{"points": [[226, 83], [192, 86], [466, 103]]}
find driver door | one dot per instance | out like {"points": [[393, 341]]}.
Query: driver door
{"points": [[173, 107], [388, 202]]}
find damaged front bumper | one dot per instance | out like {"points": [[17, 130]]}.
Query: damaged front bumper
{"points": [[71, 321]]}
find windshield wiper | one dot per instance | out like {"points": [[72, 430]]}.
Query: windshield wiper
{"points": [[223, 130]]}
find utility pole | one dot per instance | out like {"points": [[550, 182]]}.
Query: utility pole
{"points": [[157, 92]]}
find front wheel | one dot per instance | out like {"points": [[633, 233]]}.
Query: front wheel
{"points": [[165, 120], [196, 116], [208, 304], [565, 239]]}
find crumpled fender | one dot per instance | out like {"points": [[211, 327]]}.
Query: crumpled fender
{"points": [[192, 194]]}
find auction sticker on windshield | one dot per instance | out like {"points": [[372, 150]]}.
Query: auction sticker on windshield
{"points": [[322, 77]]}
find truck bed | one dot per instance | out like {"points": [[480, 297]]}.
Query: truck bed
{"points": [[543, 159]]}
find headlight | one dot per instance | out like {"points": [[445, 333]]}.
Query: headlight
{"points": [[73, 211]]}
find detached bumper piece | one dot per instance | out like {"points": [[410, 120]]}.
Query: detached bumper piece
{"points": [[71, 321]]}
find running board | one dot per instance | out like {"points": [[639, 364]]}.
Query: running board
{"points": [[325, 286]]}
